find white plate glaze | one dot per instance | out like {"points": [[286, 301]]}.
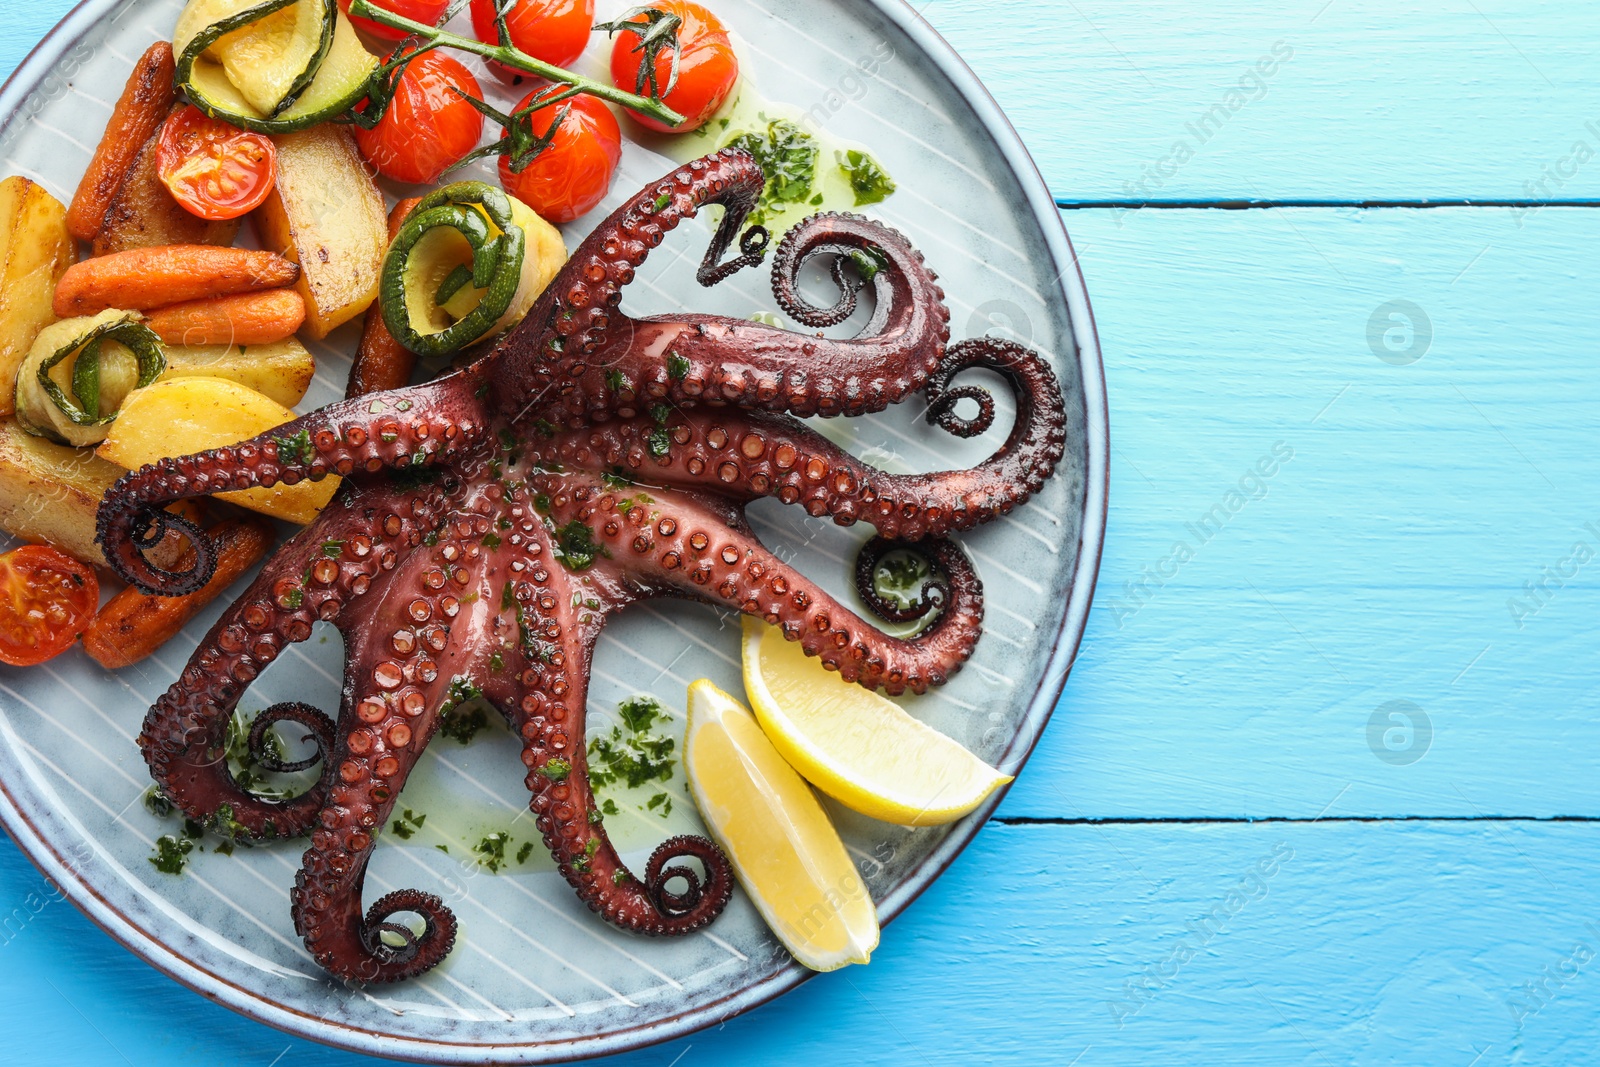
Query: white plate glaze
{"points": [[535, 977]]}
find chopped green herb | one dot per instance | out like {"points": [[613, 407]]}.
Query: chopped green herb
{"points": [[615, 381], [660, 442], [401, 830], [631, 755], [524, 852], [294, 598], [640, 713], [576, 546], [443, 848], [157, 803], [507, 441], [545, 427], [459, 718], [295, 449], [333, 549], [556, 770], [171, 853], [900, 578], [662, 801], [497, 662], [594, 816], [616, 478], [816, 201], [491, 540], [869, 261], [788, 157], [492, 851], [621, 877], [662, 201], [677, 367], [870, 183], [609, 807]]}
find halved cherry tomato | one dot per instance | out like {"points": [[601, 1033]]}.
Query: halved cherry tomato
{"points": [[46, 601], [707, 67], [428, 127], [574, 173], [215, 170], [426, 12], [555, 31]]}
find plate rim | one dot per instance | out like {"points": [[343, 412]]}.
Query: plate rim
{"points": [[38, 63]]}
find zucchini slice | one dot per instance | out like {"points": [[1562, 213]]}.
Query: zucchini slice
{"points": [[426, 303], [338, 82], [269, 50], [73, 381]]}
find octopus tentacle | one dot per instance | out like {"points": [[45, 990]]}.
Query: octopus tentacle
{"points": [[184, 733], [686, 543], [547, 709], [412, 644], [411, 427], [745, 455]]}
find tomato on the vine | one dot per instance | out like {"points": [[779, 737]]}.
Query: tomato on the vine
{"points": [[215, 170], [426, 12], [555, 31], [707, 67], [428, 127], [573, 173], [46, 601]]}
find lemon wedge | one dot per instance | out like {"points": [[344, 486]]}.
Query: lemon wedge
{"points": [[857, 746], [784, 850]]}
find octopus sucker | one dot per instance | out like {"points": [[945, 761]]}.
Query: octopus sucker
{"points": [[492, 521]]}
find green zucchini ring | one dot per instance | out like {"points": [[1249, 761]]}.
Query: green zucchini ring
{"points": [[77, 403], [334, 77], [453, 270]]}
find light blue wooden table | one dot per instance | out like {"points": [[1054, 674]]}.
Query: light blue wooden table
{"points": [[1324, 784]]}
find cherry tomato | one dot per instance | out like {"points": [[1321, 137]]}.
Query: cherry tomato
{"points": [[428, 127], [571, 176], [555, 31], [46, 601], [426, 12], [215, 170], [707, 67]]}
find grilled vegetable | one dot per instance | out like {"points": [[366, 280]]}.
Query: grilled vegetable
{"points": [[281, 370], [143, 213], [156, 277], [46, 600], [241, 319], [326, 215], [35, 251], [80, 371], [137, 117], [181, 416], [133, 624], [468, 262], [52, 493], [337, 74], [215, 170]]}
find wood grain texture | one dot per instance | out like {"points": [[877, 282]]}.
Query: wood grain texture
{"points": [[1379, 100], [1377, 563], [1269, 944]]}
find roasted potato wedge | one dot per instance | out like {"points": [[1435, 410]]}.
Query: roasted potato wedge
{"points": [[51, 493], [35, 250], [281, 371], [181, 416], [326, 215], [144, 215]]}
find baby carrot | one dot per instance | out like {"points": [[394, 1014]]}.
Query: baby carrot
{"points": [[141, 278], [241, 319]]}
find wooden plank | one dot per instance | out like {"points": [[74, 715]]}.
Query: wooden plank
{"points": [[1039, 942], [1365, 99], [1375, 565]]}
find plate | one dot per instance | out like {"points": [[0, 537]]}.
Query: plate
{"points": [[535, 977]]}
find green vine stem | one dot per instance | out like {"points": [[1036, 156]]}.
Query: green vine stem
{"points": [[510, 56]]}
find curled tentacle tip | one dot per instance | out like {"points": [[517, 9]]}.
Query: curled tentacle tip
{"points": [[930, 596], [404, 953], [125, 545], [702, 899], [321, 735]]}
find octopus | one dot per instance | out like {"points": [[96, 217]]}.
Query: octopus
{"points": [[489, 522]]}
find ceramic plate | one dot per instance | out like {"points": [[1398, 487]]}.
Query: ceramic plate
{"points": [[534, 976]]}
